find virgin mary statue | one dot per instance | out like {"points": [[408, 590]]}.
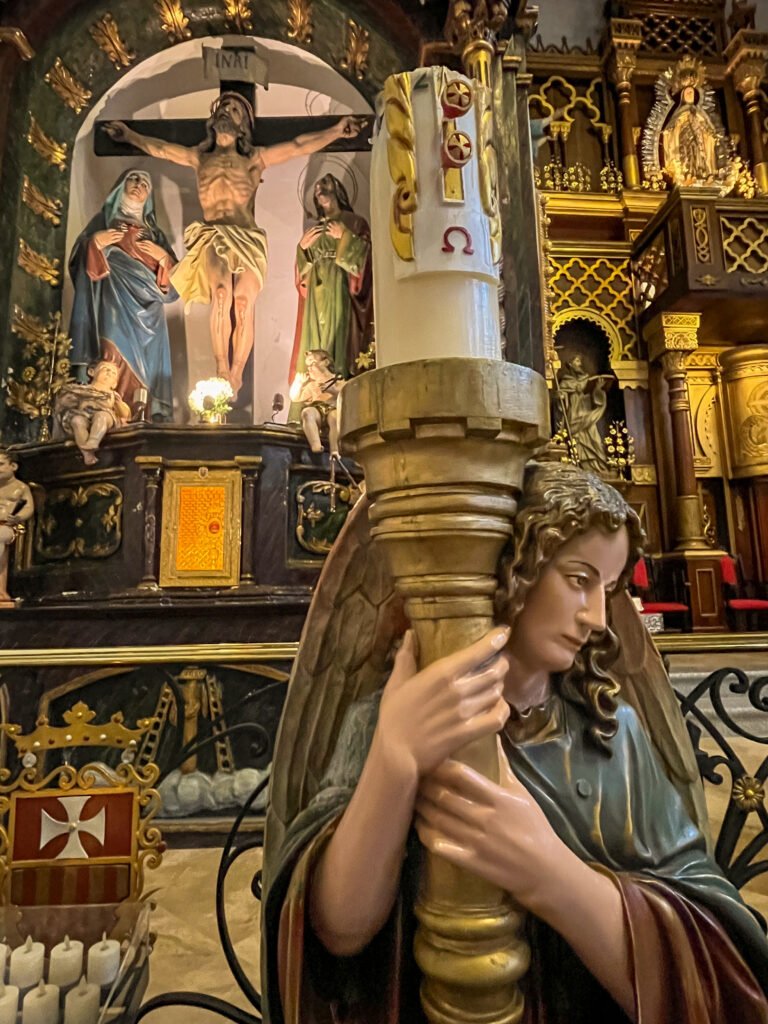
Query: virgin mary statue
{"points": [[120, 266]]}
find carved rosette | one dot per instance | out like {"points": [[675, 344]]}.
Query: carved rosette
{"points": [[300, 27], [356, 49], [173, 20], [36, 264], [55, 153], [745, 387], [44, 206], [106, 35], [69, 90]]}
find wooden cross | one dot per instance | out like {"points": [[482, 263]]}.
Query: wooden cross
{"points": [[239, 68]]}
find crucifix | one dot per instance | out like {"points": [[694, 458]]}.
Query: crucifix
{"points": [[226, 257]]}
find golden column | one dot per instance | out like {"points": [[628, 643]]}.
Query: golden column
{"points": [[670, 337], [747, 55], [470, 28], [443, 429], [626, 35]]}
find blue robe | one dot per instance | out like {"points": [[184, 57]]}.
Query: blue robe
{"points": [[123, 310]]}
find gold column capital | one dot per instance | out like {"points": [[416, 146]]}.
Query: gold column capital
{"points": [[672, 332], [747, 55], [470, 30], [625, 36]]}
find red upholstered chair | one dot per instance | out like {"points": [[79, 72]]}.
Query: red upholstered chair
{"points": [[744, 608], [643, 587]]}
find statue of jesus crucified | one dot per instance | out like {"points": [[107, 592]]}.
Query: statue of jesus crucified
{"points": [[227, 245]]}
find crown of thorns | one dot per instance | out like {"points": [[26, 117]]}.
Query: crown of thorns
{"points": [[244, 103]]}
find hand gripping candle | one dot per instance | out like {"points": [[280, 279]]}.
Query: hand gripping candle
{"points": [[66, 963], [103, 961], [434, 220], [41, 1005], [27, 964]]}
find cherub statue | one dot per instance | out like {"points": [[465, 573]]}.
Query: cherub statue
{"points": [[16, 507], [87, 411], [318, 395], [597, 828]]}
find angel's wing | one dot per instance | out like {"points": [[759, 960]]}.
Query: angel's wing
{"points": [[646, 686], [344, 655]]}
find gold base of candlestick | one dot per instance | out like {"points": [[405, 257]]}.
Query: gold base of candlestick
{"points": [[443, 444]]}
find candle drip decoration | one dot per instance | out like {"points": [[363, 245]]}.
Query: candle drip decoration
{"points": [[88, 829]]}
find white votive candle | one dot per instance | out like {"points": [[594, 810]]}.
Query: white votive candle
{"points": [[9, 1003], [66, 963], [27, 964], [103, 961], [81, 1005], [41, 1005]]}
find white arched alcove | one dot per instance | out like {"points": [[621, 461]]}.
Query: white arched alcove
{"points": [[172, 85]]}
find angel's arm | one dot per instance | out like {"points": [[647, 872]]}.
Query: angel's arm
{"points": [[356, 882], [424, 718]]}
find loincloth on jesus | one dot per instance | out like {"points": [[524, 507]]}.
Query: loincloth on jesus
{"points": [[240, 248]]}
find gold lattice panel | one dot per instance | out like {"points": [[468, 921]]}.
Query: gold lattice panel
{"points": [[683, 33], [745, 243], [597, 285], [200, 544], [201, 527]]}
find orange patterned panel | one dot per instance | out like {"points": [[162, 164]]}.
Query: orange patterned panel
{"points": [[201, 534]]}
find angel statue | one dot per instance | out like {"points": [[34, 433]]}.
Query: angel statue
{"points": [[598, 827], [86, 412]]}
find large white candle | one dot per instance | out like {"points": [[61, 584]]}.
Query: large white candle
{"points": [[27, 964], [103, 961], [81, 1005], [66, 963], [4, 951], [9, 1003], [434, 220], [41, 1005]]}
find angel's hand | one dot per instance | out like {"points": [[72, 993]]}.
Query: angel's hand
{"points": [[496, 831], [427, 716]]}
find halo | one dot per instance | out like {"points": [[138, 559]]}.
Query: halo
{"points": [[339, 168]]}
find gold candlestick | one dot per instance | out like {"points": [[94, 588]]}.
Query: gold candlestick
{"points": [[443, 443]]}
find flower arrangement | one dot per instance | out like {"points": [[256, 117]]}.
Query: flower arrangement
{"points": [[211, 399]]}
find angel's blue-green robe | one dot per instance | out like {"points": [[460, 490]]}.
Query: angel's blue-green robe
{"points": [[699, 954]]}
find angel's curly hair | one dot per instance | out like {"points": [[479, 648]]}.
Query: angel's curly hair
{"points": [[560, 501]]}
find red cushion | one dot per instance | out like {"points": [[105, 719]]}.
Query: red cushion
{"points": [[666, 606], [748, 604], [728, 569], [640, 574]]}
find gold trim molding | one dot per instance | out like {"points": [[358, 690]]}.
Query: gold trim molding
{"points": [[37, 265], [69, 90], [54, 152], [44, 206], [173, 20], [15, 36], [162, 654], [106, 35]]}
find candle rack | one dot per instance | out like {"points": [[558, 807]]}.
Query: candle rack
{"points": [[76, 840]]}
